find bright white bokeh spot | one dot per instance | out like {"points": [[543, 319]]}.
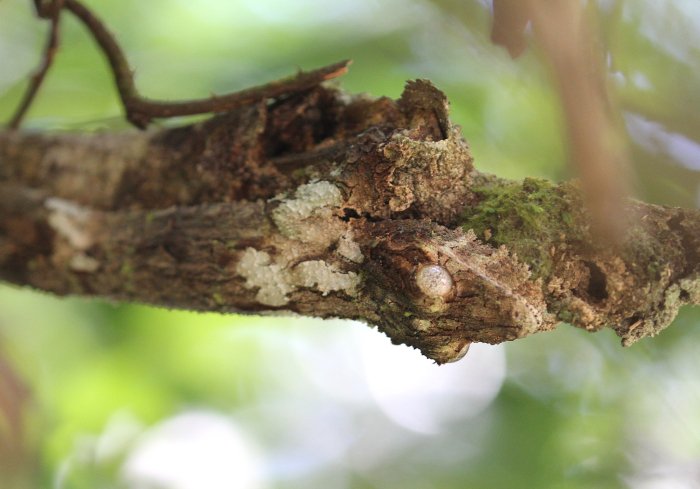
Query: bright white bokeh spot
{"points": [[655, 138], [330, 358], [641, 81], [121, 431], [194, 450], [424, 397]]}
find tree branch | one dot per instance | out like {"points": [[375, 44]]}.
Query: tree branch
{"points": [[329, 205]]}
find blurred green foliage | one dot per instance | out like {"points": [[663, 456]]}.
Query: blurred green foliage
{"points": [[571, 410]]}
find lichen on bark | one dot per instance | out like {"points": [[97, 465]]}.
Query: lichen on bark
{"points": [[331, 205]]}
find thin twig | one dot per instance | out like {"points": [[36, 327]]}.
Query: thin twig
{"points": [[50, 11], [140, 111]]}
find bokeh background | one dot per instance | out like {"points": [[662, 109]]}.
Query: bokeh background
{"points": [[100, 395]]}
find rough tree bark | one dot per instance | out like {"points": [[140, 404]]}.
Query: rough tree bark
{"points": [[326, 204]]}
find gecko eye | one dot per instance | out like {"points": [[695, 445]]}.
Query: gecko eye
{"points": [[434, 281]]}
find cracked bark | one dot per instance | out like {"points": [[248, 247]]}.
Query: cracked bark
{"points": [[330, 205]]}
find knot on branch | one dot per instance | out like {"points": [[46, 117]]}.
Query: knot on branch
{"points": [[420, 171]]}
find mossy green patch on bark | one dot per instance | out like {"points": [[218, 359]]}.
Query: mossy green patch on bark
{"points": [[527, 217]]}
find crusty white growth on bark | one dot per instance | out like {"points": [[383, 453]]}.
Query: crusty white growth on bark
{"points": [[349, 249], [275, 281], [80, 262], [271, 279], [325, 278], [69, 221], [310, 199]]}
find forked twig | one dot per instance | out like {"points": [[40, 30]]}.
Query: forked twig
{"points": [[140, 111]]}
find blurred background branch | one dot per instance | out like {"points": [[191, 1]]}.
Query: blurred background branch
{"points": [[568, 36], [17, 456]]}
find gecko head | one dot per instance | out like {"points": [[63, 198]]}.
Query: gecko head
{"points": [[439, 289]]}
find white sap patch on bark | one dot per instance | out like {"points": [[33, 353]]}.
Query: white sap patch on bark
{"points": [[348, 248], [274, 281], [271, 279], [69, 220], [325, 278], [83, 263], [308, 200]]}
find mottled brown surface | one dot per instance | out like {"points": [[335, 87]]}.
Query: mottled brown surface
{"points": [[329, 205]]}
